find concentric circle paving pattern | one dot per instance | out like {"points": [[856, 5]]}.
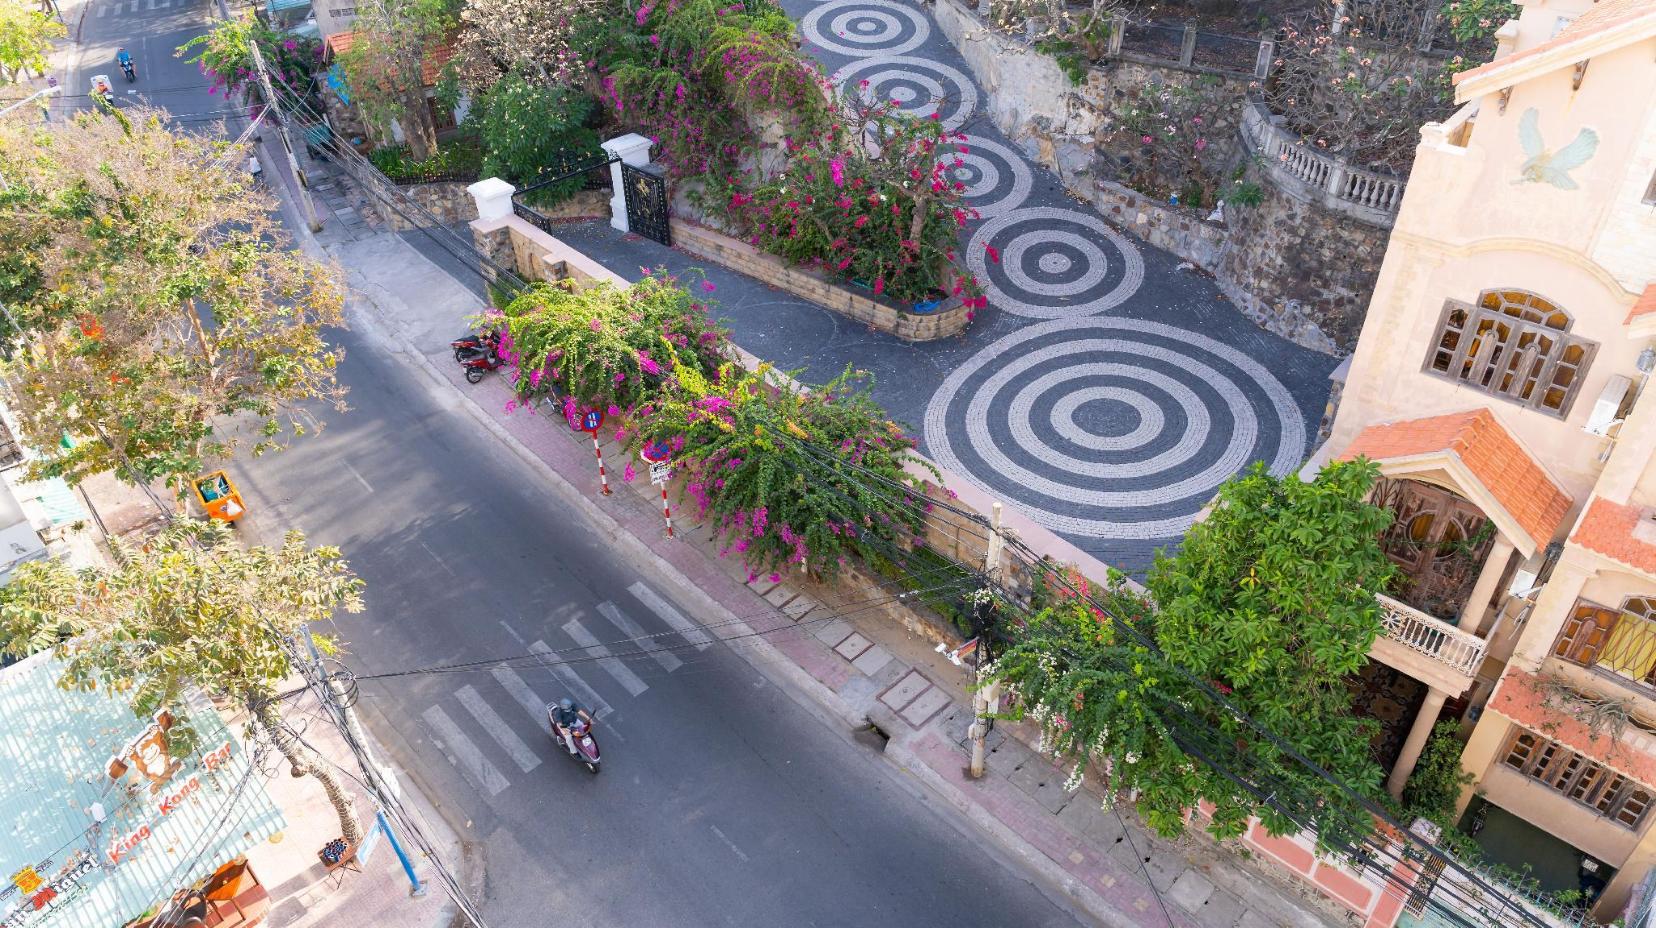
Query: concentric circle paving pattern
{"points": [[865, 27], [997, 179], [1109, 427], [1054, 263], [920, 86]]}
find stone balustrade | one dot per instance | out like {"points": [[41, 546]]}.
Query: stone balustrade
{"points": [[1458, 650], [1315, 177]]}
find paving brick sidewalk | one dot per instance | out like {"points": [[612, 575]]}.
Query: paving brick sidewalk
{"points": [[856, 662]]}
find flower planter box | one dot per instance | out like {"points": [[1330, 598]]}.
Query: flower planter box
{"points": [[944, 318]]}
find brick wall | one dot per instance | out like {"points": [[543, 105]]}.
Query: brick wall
{"points": [[740, 256]]}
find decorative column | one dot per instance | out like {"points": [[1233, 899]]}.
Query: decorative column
{"points": [[1477, 604], [494, 198], [1412, 745], [633, 149]]}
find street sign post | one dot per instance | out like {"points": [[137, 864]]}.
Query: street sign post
{"points": [[590, 422], [657, 454]]}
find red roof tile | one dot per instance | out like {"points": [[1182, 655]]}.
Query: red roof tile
{"points": [[1645, 306], [1605, 15], [430, 67], [1607, 528], [1488, 450]]}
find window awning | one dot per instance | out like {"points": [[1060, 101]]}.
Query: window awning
{"points": [[1487, 465], [1622, 532], [103, 824]]}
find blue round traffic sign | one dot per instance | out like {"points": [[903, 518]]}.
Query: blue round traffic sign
{"points": [[656, 452], [592, 421]]}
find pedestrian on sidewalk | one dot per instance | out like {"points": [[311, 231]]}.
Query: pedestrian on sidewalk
{"points": [[254, 167]]}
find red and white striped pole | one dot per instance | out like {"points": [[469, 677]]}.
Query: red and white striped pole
{"points": [[666, 513], [603, 478]]}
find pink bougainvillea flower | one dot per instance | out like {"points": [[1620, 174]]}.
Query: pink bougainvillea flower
{"points": [[596, 325], [879, 285], [836, 169], [860, 221], [993, 252], [709, 286], [1147, 140], [628, 474]]}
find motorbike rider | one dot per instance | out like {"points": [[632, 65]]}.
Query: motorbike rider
{"points": [[124, 59], [565, 715]]}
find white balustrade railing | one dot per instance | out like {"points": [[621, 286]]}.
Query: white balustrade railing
{"points": [[1366, 195], [1459, 650]]}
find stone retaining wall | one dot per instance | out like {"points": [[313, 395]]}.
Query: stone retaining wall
{"points": [[1295, 266], [740, 256], [449, 202]]}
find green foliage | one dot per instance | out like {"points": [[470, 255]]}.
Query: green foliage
{"points": [[1472, 21], [604, 346], [1435, 785], [528, 130], [458, 158], [158, 300], [26, 36], [1173, 124], [1270, 600], [753, 448], [224, 54]]}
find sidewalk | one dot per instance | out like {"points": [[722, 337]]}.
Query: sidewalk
{"points": [[864, 667]]}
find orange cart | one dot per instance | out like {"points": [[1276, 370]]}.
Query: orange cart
{"points": [[219, 496]]}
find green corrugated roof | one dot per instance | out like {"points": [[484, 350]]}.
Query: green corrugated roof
{"points": [[55, 754], [276, 6]]}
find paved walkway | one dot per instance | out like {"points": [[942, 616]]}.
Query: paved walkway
{"points": [[1106, 391], [856, 664]]}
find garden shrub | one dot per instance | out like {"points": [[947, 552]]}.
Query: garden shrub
{"points": [[530, 130]]}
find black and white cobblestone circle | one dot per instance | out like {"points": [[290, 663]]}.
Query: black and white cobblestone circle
{"points": [[860, 28], [919, 86], [997, 179], [1054, 263], [1109, 427]]}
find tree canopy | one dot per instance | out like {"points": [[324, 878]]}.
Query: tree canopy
{"points": [[26, 36], [1270, 601], [156, 297]]}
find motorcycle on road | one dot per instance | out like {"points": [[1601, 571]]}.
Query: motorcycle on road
{"points": [[586, 747]]}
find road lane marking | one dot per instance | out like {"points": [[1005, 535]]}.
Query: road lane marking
{"points": [[729, 843], [365, 484], [531, 701], [497, 728], [440, 562], [464, 753], [102, 9], [645, 642], [628, 680], [513, 632], [587, 695], [669, 613]]}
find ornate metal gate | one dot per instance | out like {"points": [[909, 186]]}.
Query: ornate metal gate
{"points": [[646, 193]]}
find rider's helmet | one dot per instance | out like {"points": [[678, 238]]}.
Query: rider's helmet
{"points": [[566, 704]]}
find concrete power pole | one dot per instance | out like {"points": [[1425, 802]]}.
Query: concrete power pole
{"points": [[302, 191], [985, 699]]}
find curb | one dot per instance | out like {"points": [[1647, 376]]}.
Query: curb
{"points": [[761, 654]]}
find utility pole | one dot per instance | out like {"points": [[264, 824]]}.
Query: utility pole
{"points": [[302, 189], [382, 780], [985, 699]]}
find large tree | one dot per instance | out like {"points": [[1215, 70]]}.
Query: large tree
{"points": [[188, 609], [156, 298], [386, 64], [26, 35], [1270, 600]]}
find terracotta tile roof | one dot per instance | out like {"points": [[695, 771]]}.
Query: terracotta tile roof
{"points": [[430, 67], [1645, 306], [1488, 450], [1605, 15], [1608, 528]]}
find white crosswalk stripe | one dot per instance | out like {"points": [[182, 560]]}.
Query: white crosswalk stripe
{"points": [[586, 695], [629, 681], [636, 631], [526, 697], [657, 604], [497, 728], [473, 765]]}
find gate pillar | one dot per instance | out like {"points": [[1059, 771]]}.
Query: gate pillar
{"points": [[633, 149]]}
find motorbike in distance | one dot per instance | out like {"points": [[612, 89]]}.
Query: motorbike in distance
{"points": [[586, 747], [124, 59], [473, 341], [478, 362]]}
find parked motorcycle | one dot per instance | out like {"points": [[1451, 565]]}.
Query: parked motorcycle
{"points": [[478, 362], [473, 341], [586, 748]]}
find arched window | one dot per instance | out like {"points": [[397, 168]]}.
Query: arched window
{"points": [[1514, 344]]}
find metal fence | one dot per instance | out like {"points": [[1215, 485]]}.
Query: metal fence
{"points": [[1182, 45]]}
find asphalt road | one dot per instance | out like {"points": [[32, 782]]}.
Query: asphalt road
{"points": [[722, 802]]}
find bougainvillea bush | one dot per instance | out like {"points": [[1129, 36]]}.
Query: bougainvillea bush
{"points": [[604, 346], [767, 464], [887, 216], [696, 76], [225, 55]]}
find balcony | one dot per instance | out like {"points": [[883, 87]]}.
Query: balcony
{"points": [[1426, 648]]}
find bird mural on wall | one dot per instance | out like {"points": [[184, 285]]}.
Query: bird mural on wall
{"points": [[1551, 167]]}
